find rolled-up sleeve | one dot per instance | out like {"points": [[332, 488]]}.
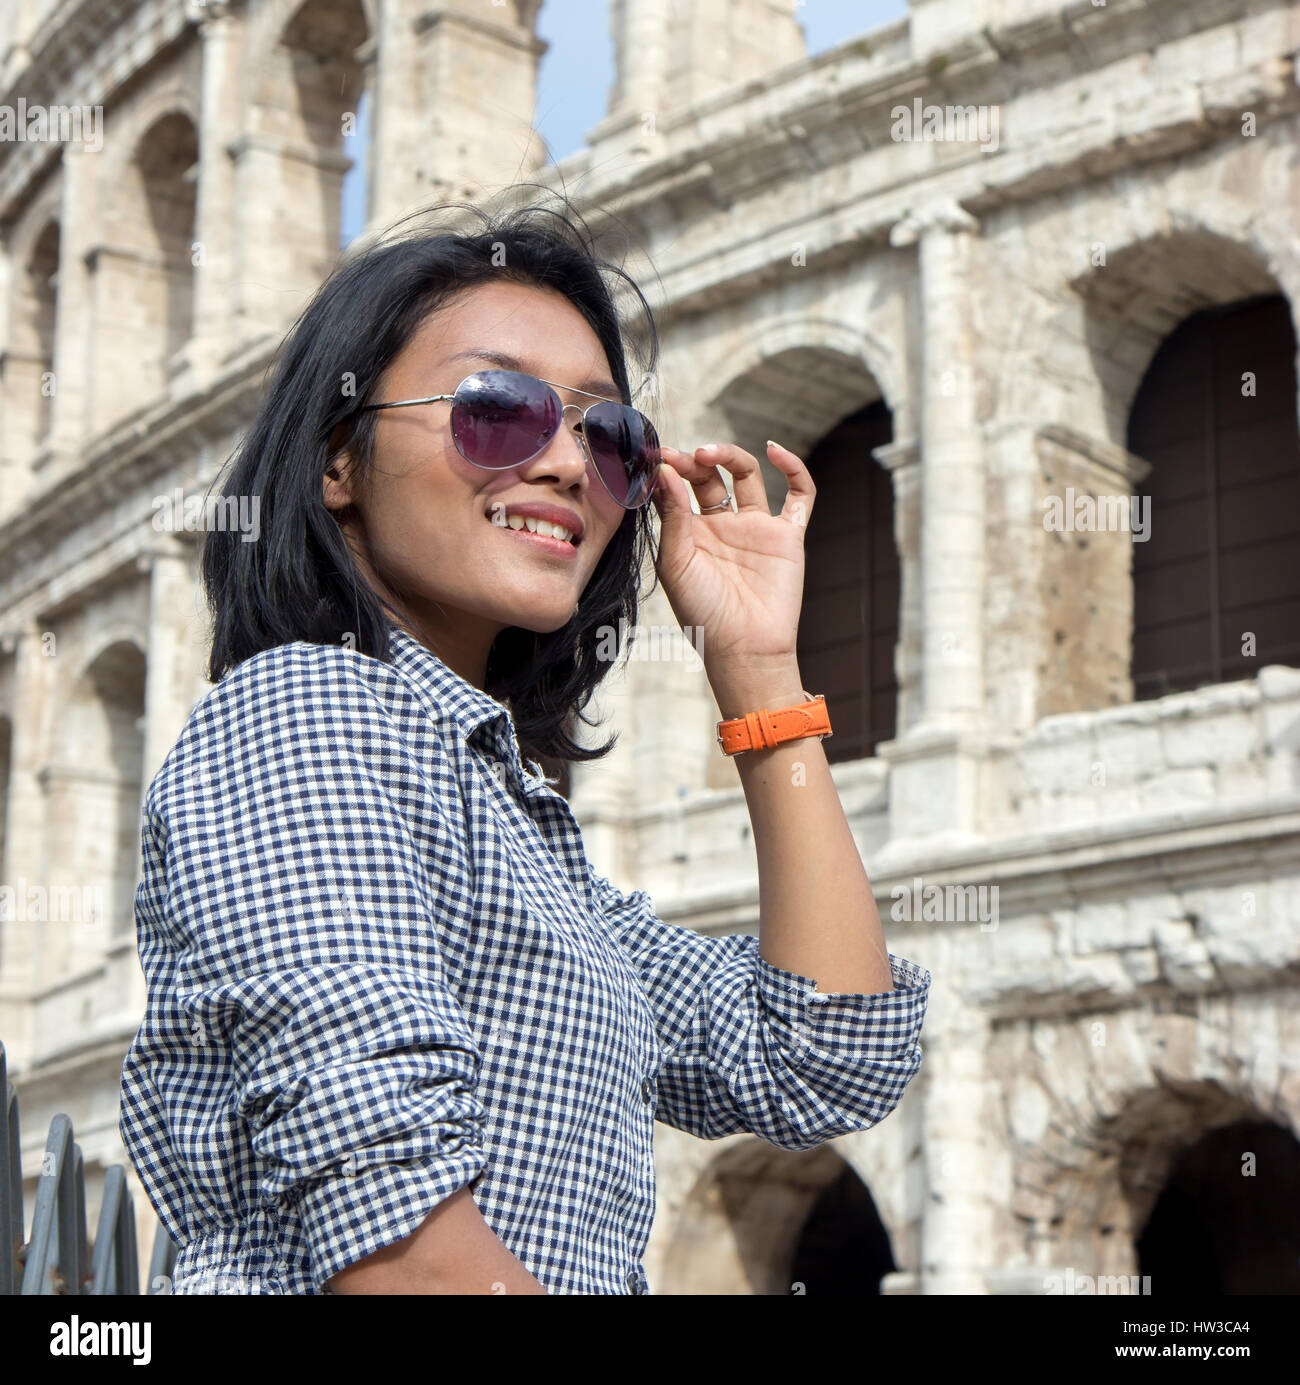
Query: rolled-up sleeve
{"points": [[301, 1017], [750, 1047]]}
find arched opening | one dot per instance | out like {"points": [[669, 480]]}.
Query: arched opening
{"points": [[1228, 1218], [29, 383], [826, 406], [93, 796], [848, 627], [763, 1220], [1216, 590], [306, 131], [142, 273], [844, 1247], [42, 307], [168, 161]]}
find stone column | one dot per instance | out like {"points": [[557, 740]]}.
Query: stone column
{"points": [[73, 344], [935, 764], [24, 834], [220, 114], [20, 381], [952, 474], [397, 180], [455, 94], [669, 53], [902, 459], [956, 1217], [175, 652]]}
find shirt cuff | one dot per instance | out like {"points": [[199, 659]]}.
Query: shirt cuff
{"points": [[346, 1217], [879, 1026]]}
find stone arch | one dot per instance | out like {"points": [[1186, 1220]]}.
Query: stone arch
{"points": [[1101, 1109], [93, 789], [1138, 211], [142, 272], [30, 358], [738, 1229], [122, 152], [1149, 288], [809, 384], [1228, 1217], [879, 362], [292, 157]]}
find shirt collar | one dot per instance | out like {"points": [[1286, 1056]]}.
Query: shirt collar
{"points": [[448, 696]]}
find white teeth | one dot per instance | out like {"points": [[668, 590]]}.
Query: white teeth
{"points": [[536, 526]]}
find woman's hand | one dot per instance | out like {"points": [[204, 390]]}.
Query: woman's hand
{"points": [[738, 576]]}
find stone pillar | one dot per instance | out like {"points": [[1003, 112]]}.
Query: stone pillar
{"points": [[952, 475], [934, 777], [397, 181], [902, 459], [82, 805], [669, 53], [220, 112], [454, 98], [33, 680], [128, 308], [20, 381], [956, 1218], [175, 652], [72, 335]]}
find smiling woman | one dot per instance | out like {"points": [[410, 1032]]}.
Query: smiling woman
{"points": [[370, 509], [401, 1037]]}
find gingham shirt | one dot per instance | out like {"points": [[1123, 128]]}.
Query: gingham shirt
{"points": [[380, 967]]}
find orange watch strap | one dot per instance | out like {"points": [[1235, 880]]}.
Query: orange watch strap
{"points": [[763, 729]]}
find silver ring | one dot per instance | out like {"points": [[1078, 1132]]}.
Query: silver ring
{"points": [[721, 505]]}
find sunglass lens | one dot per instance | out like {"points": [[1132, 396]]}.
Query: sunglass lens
{"points": [[500, 418], [625, 449]]}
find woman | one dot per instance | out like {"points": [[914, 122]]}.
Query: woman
{"points": [[400, 1036]]}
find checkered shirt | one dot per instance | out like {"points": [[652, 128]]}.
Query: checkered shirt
{"points": [[380, 968]]}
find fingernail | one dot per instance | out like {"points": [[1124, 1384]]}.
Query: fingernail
{"points": [[709, 447]]}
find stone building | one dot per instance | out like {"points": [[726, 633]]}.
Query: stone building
{"points": [[1018, 281]]}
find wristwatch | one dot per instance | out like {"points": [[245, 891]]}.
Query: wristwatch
{"points": [[763, 729]]}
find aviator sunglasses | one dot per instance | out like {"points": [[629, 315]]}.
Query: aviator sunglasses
{"points": [[503, 418]]}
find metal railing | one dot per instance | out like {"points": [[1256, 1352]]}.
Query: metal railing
{"points": [[57, 1259]]}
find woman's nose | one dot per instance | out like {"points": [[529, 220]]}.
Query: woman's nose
{"points": [[567, 448]]}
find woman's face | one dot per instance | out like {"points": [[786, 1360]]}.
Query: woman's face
{"points": [[423, 529]]}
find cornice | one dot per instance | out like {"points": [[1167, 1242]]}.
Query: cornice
{"points": [[152, 444]]}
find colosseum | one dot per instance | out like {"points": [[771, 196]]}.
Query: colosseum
{"points": [[1011, 277]]}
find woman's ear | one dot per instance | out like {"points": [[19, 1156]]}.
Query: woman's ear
{"points": [[338, 489], [338, 483]]}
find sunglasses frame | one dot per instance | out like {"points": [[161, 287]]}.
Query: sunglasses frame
{"points": [[586, 451]]}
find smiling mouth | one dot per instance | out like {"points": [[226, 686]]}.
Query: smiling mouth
{"points": [[540, 527]]}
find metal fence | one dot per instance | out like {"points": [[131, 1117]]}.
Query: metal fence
{"points": [[57, 1258]]}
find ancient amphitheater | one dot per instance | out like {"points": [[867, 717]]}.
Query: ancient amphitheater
{"points": [[995, 270]]}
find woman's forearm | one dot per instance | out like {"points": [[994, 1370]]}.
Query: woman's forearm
{"points": [[817, 914], [453, 1251]]}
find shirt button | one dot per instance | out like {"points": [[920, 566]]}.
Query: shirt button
{"points": [[634, 1282], [647, 1091]]}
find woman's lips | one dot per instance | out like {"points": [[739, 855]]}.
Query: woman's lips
{"points": [[561, 548]]}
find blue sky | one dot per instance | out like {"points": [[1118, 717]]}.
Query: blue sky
{"points": [[578, 69]]}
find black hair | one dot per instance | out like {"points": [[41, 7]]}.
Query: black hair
{"points": [[299, 581]]}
